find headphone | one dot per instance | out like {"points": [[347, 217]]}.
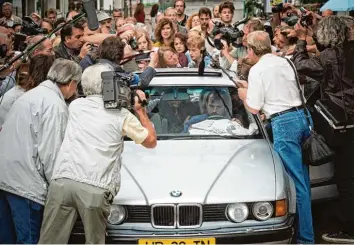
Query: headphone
{"points": [[179, 1]]}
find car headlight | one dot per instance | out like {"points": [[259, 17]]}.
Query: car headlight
{"points": [[117, 214], [237, 212], [263, 210]]}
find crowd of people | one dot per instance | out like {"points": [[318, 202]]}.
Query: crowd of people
{"points": [[51, 109]]}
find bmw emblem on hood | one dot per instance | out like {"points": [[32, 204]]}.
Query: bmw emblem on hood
{"points": [[175, 193]]}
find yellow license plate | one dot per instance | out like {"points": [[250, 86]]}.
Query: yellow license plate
{"points": [[194, 241]]}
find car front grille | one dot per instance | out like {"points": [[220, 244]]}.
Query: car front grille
{"points": [[176, 216], [189, 216], [164, 216], [210, 213]]}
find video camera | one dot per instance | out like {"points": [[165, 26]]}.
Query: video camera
{"points": [[117, 90], [31, 28], [229, 33]]}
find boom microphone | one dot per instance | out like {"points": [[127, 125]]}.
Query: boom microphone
{"points": [[90, 10]]}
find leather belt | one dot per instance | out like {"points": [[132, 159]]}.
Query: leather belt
{"points": [[286, 111]]}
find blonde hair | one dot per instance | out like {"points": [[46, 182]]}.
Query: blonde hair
{"points": [[189, 21], [196, 42], [169, 9], [194, 33], [259, 42], [143, 33]]}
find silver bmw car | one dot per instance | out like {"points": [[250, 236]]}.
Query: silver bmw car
{"points": [[213, 177]]}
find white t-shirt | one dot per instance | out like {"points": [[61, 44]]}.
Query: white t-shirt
{"points": [[272, 86], [93, 143]]}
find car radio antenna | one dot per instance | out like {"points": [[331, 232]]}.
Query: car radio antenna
{"points": [[201, 66]]}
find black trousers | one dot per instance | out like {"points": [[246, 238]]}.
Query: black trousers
{"points": [[344, 176]]}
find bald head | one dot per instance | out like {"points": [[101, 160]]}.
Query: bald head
{"points": [[327, 12]]}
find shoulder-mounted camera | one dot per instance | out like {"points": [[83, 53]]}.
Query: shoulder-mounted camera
{"points": [[117, 90], [229, 33]]}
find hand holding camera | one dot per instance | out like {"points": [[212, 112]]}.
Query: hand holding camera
{"points": [[140, 101], [85, 49]]}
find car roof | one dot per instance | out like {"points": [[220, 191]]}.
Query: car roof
{"points": [[190, 77]]}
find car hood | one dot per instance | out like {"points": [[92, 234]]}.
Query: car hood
{"points": [[204, 171]]}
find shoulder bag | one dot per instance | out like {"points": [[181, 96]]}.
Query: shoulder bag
{"points": [[315, 150]]}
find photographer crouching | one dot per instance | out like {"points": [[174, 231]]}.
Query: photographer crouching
{"points": [[87, 170]]}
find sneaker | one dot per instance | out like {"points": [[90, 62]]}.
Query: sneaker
{"points": [[338, 237]]}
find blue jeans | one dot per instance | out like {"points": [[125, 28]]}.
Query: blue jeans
{"points": [[290, 130], [20, 219]]}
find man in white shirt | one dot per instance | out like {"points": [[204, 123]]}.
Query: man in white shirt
{"points": [[272, 88], [30, 139], [87, 172]]}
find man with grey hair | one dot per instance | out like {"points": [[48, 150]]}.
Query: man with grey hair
{"points": [[9, 18], [272, 88], [86, 177], [45, 48], [30, 139]]}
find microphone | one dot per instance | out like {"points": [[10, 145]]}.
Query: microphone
{"points": [[90, 10]]}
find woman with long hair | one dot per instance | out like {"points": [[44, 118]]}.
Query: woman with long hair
{"points": [[28, 77], [139, 13], [143, 41], [164, 33]]}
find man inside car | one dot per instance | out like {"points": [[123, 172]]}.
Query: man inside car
{"points": [[211, 106]]}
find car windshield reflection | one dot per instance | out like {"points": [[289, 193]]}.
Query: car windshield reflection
{"points": [[199, 112]]}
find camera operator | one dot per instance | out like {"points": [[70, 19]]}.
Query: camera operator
{"points": [[334, 69], [113, 50], [72, 46], [229, 55], [90, 191]]}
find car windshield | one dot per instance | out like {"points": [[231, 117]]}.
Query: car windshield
{"points": [[199, 112]]}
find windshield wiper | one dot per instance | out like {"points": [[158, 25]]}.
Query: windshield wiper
{"points": [[200, 137]]}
